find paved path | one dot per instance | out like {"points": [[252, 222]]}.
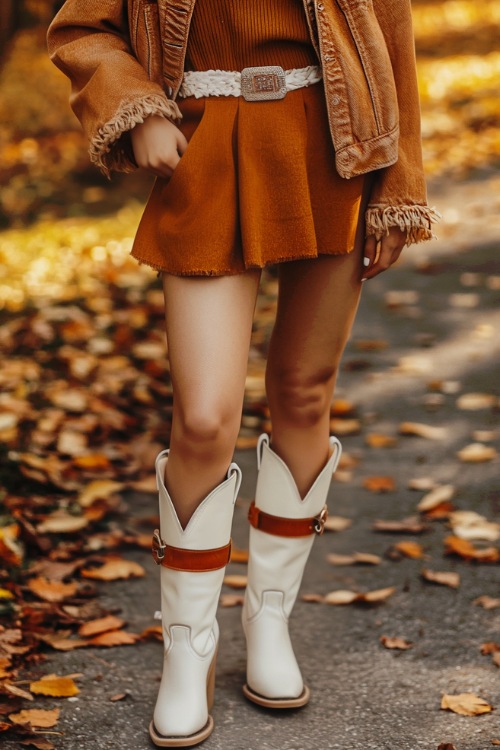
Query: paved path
{"points": [[364, 697]]}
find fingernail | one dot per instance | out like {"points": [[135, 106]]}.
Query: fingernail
{"points": [[366, 261]]}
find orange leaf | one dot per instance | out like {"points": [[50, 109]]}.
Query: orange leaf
{"points": [[487, 602], [57, 687], [410, 549], [93, 461], [37, 717], [114, 638], [345, 426], [410, 525], [444, 578], [397, 643], [490, 647], [466, 704], [154, 632], [379, 484], [376, 440], [62, 523], [312, 598], [239, 555], [51, 591], [101, 625], [231, 600], [454, 545], [114, 569]]}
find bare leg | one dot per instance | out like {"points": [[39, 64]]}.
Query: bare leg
{"points": [[317, 304], [209, 323]]}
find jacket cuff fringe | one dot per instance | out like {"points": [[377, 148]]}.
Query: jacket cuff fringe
{"points": [[416, 221], [107, 150]]}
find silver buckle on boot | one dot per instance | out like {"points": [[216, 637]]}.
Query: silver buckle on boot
{"points": [[320, 520], [158, 547], [263, 83]]}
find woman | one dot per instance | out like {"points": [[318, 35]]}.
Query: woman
{"points": [[303, 125]]}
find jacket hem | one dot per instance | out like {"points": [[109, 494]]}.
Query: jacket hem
{"points": [[106, 152], [415, 220]]}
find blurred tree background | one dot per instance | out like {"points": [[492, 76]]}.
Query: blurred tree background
{"points": [[54, 204]]}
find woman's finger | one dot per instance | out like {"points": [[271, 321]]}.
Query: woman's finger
{"points": [[369, 254], [391, 247]]}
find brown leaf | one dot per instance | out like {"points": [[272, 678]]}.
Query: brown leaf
{"points": [[377, 440], [101, 625], [468, 524], [477, 453], [62, 523], [410, 549], [466, 550], [430, 432], [441, 494], [444, 578], [154, 633], [475, 401], [371, 345], [340, 407], [379, 484], [11, 552], [37, 717], [495, 742], [57, 687], [41, 743], [465, 704], [100, 489], [345, 426], [340, 596], [61, 642], [231, 600], [51, 591], [496, 659], [14, 690], [490, 647], [410, 525], [348, 597], [337, 523], [235, 581], [395, 642], [422, 484], [115, 568], [118, 697], [487, 602], [446, 746], [239, 555], [312, 598], [362, 558], [114, 638]]}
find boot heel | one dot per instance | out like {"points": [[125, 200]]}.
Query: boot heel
{"points": [[211, 682]]}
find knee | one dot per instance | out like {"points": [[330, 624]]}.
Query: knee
{"points": [[300, 397], [206, 432]]}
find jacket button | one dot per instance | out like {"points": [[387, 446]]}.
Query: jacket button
{"points": [[320, 6], [335, 100]]}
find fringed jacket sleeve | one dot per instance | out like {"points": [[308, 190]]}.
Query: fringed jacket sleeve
{"points": [[89, 41], [399, 195]]}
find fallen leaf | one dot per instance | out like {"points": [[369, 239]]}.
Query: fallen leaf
{"points": [[395, 642], [342, 596], [379, 484], [62, 642], [239, 555], [468, 524], [412, 550], [100, 625], [446, 746], [37, 717], [410, 525], [51, 591], [345, 426], [370, 345], [377, 440], [465, 549], [57, 687], [154, 633], [19, 692], [337, 523], [114, 638], [487, 602], [465, 704], [477, 453], [100, 489], [496, 659], [362, 558], [118, 697], [444, 578], [41, 743], [490, 647], [235, 581], [441, 494], [115, 568], [423, 430], [475, 401], [495, 742], [312, 598], [424, 484], [62, 523], [11, 552], [231, 600]]}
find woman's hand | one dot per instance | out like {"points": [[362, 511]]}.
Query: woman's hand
{"points": [[158, 145], [383, 253]]}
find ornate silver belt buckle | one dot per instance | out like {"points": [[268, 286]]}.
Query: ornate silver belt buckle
{"points": [[263, 83]]}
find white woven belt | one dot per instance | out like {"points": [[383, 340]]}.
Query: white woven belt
{"points": [[253, 84]]}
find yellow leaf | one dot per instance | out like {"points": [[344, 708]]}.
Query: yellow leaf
{"points": [[37, 717], [51, 591], [114, 569], [465, 704], [57, 687], [114, 638], [101, 625], [100, 489]]}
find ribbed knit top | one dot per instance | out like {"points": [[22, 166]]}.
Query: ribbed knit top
{"points": [[235, 34]]}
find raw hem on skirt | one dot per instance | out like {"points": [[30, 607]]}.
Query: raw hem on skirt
{"points": [[236, 272]]}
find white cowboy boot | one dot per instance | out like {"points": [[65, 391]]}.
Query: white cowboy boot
{"points": [[193, 562], [283, 528]]}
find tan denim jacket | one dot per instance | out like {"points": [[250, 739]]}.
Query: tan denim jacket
{"points": [[125, 60]]}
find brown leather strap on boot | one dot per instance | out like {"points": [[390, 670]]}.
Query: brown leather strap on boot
{"points": [[286, 526], [189, 560]]}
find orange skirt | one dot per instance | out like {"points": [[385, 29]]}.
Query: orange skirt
{"points": [[257, 185]]}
